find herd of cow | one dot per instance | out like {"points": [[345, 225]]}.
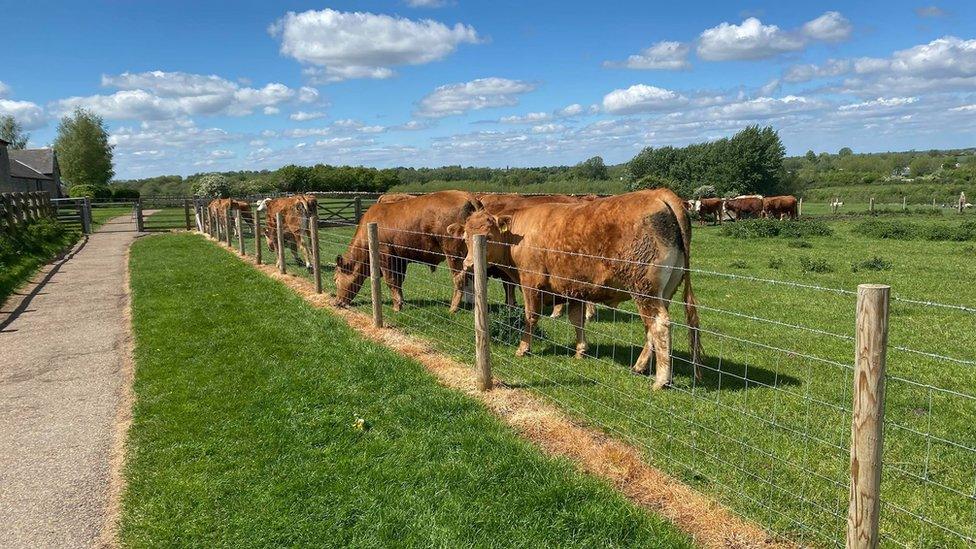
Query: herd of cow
{"points": [[560, 250], [742, 207]]}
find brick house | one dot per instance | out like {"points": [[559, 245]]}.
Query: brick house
{"points": [[29, 170]]}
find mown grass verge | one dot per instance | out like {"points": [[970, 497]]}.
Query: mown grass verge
{"points": [[245, 432], [27, 248]]}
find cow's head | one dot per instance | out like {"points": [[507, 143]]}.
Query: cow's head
{"points": [[497, 229], [263, 204], [348, 277]]}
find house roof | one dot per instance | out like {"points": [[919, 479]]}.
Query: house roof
{"points": [[38, 160], [21, 170]]}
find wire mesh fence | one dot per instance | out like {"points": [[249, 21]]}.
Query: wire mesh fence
{"points": [[766, 429]]}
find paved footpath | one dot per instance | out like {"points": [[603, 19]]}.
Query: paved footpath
{"points": [[62, 343]]}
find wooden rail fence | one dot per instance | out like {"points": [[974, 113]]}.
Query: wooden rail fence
{"points": [[20, 208]]}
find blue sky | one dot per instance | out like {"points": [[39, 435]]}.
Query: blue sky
{"points": [[190, 87]]}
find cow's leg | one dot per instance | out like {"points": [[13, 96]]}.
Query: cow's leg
{"points": [[661, 334], [394, 273], [533, 302], [509, 293], [590, 310], [578, 319], [645, 307], [458, 276]]}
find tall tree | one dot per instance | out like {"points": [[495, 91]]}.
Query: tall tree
{"points": [[84, 153], [12, 132]]}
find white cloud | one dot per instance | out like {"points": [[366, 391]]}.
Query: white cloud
{"points": [[829, 27], [807, 72], [158, 95], [302, 116], [568, 111], [750, 40], [765, 108], [427, 3], [30, 115], [412, 126], [4, 90], [346, 45], [664, 55], [879, 102], [548, 128], [456, 99], [641, 98], [221, 153]]}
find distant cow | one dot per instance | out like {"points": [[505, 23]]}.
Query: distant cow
{"points": [[709, 206], [635, 245], [780, 207], [744, 207], [394, 197], [410, 231], [221, 208], [295, 211]]}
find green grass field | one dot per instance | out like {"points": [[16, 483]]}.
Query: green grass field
{"points": [[102, 214], [767, 431], [243, 432]]}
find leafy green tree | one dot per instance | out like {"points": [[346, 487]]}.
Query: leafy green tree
{"points": [[12, 132], [213, 185], [592, 168], [923, 165], [811, 157], [846, 151], [84, 153]]}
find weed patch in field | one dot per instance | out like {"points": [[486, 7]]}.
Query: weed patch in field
{"points": [[776, 263], [770, 228], [738, 264], [874, 264], [799, 244], [809, 265], [907, 230]]}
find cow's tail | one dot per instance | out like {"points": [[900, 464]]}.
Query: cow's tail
{"points": [[691, 304]]}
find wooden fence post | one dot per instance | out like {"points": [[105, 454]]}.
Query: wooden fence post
{"points": [[904, 203], [239, 224], [313, 225], [6, 201], [186, 213], [799, 208], [482, 337], [359, 209], [257, 236], [228, 232], [139, 220], [962, 201], [87, 212], [867, 417], [871, 205], [933, 202], [376, 289], [280, 230], [28, 206]]}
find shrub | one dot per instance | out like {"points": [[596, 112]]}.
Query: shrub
{"points": [[93, 192], [799, 244], [212, 185], [124, 193], [874, 264], [769, 228], [808, 265], [739, 264], [33, 238], [776, 263]]}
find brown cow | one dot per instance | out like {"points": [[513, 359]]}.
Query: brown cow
{"points": [[709, 206], [506, 203], [780, 207], [635, 245], [743, 207], [295, 211], [410, 231], [221, 208]]}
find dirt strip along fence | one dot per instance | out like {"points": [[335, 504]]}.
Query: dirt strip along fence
{"points": [[19, 208], [830, 416]]}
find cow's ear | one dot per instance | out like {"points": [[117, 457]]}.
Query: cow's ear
{"points": [[504, 223], [455, 230]]}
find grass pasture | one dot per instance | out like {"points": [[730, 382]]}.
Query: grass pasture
{"points": [[767, 431], [245, 432]]}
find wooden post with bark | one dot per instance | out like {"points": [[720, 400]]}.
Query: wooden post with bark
{"points": [[186, 213], [871, 205], [139, 220], [280, 234], [257, 236], [376, 289], [313, 226], [482, 336], [904, 203], [867, 417], [799, 207]]}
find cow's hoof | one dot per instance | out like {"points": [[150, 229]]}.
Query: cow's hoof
{"points": [[638, 371], [522, 351], [397, 307], [581, 352], [660, 386]]}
